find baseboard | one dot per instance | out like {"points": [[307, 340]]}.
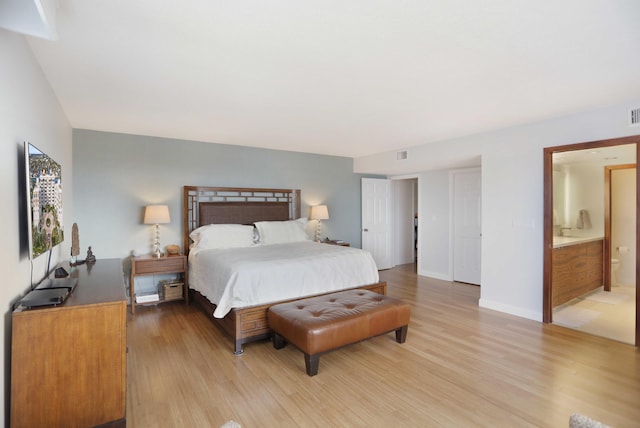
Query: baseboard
{"points": [[512, 310], [436, 275]]}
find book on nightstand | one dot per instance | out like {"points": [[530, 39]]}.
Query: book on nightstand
{"points": [[147, 298]]}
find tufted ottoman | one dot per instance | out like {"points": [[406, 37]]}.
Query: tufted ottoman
{"points": [[324, 323]]}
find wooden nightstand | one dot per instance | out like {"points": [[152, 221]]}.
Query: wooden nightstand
{"points": [[149, 265], [336, 242]]}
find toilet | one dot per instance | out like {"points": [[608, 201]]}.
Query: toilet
{"points": [[615, 265]]}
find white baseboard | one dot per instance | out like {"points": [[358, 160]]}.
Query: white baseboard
{"points": [[512, 310], [436, 275]]}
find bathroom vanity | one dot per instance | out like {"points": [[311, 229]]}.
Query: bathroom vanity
{"points": [[578, 267]]}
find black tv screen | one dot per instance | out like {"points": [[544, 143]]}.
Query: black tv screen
{"points": [[44, 201]]}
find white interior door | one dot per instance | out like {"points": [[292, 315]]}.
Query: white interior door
{"points": [[376, 220], [467, 231]]}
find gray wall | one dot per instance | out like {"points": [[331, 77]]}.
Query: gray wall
{"points": [[116, 175]]}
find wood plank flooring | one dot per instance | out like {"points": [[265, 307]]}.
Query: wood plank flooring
{"points": [[461, 366]]}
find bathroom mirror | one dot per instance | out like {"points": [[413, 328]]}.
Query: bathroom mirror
{"points": [[559, 200], [579, 187]]}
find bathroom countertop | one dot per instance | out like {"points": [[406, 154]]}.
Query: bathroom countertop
{"points": [[564, 241]]}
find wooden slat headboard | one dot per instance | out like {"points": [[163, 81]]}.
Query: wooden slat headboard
{"points": [[241, 212], [231, 205]]}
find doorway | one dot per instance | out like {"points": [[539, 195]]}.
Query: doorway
{"points": [[405, 215], [620, 227], [390, 219], [549, 223]]}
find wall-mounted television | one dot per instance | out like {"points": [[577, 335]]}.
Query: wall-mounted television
{"points": [[44, 201]]}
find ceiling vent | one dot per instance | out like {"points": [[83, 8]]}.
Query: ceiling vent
{"points": [[634, 116], [401, 155]]}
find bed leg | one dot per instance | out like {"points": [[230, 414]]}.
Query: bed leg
{"points": [[238, 351]]}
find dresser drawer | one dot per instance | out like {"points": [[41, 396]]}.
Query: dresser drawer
{"points": [[158, 266]]}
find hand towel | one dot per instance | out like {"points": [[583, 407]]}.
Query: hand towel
{"points": [[583, 221]]}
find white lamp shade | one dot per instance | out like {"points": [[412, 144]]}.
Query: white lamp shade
{"points": [[156, 214], [319, 212]]}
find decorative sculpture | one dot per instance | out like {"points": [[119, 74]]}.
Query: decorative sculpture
{"points": [[90, 257], [75, 245]]}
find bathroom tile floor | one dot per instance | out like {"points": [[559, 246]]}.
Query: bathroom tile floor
{"points": [[606, 314]]}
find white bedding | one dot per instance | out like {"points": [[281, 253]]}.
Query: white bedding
{"points": [[242, 277]]}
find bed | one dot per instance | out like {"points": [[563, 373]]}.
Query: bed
{"points": [[241, 311]]}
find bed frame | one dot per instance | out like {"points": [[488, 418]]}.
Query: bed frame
{"points": [[230, 205]]}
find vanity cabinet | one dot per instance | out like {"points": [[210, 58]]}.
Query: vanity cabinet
{"points": [[577, 269]]}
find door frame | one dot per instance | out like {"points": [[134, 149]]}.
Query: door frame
{"points": [[547, 309]]}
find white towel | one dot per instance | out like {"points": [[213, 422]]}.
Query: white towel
{"points": [[583, 221]]}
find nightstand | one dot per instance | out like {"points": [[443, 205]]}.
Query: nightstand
{"points": [[336, 242], [150, 265]]}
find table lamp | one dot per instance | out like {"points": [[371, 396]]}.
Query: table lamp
{"points": [[157, 214], [319, 213]]}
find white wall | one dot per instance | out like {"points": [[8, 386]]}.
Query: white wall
{"points": [[512, 198], [28, 111]]}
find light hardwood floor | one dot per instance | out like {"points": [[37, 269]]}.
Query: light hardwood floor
{"points": [[461, 366]]}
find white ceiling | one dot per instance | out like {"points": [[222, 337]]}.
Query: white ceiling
{"points": [[614, 155], [339, 77]]}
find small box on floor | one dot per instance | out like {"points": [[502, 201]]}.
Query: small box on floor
{"points": [[171, 289]]}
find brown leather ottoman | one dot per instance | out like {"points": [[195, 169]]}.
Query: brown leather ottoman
{"points": [[324, 323]]}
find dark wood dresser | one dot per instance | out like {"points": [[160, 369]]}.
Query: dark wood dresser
{"points": [[68, 363]]}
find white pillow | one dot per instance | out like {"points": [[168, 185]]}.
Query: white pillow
{"points": [[222, 236], [280, 232]]}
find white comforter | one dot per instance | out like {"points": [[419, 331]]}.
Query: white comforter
{"points": [[241, 277]]}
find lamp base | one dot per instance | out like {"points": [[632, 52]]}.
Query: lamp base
{"points": [[156, 244]]}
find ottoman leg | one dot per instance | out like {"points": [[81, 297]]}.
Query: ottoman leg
{"points": [[401, 334], [312, 362], [278, 341]]}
